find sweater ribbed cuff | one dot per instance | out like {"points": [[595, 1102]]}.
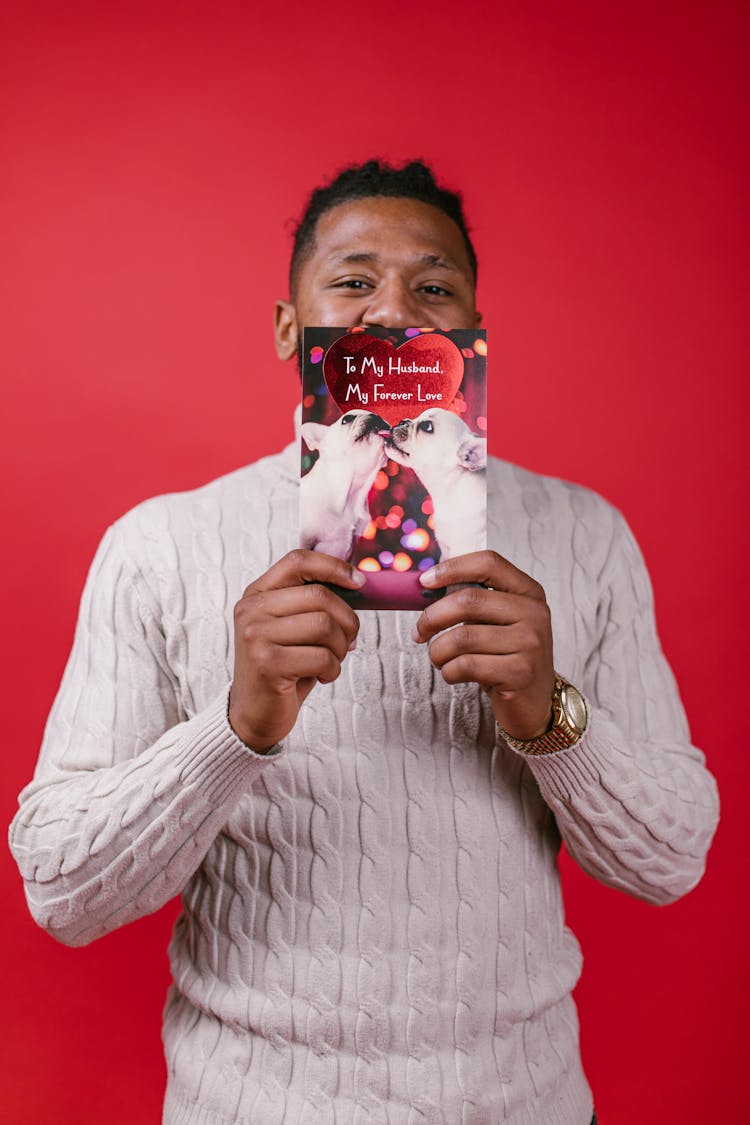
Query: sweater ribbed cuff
{"points": [[215, 760], [564, 773]]}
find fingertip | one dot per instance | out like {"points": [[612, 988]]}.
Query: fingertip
{"points": [[358, 577], [429, 576]]}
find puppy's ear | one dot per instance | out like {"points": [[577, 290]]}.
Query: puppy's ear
{"points": [[472, 453], [313, 434]]}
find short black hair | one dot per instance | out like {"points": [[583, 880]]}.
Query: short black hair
{"points": [[367, 181]]}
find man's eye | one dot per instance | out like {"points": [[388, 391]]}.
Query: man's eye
{"points": [[352, 283], [436, 291], [426, 427]]}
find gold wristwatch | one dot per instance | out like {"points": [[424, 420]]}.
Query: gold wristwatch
{"points": [[569, 718]]}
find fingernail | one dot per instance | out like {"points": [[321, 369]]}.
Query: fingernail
{"points": [[358, 577], [353, 645], [415, 635], [429, 576]]}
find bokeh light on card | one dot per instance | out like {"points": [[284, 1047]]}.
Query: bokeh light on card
{"points": [[417, 540]]}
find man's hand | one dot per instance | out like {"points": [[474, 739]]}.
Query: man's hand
{"points": [[290, 633], [502, 637]]}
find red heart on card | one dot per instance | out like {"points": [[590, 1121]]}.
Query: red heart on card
{"points": [[366, 373]]}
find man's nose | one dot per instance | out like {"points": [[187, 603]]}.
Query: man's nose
{"points": [[393, 305]]}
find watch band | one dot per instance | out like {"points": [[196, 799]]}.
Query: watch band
{"points": [[548, 743]]}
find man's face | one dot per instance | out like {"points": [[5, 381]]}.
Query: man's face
{"points": [[395, 263]]}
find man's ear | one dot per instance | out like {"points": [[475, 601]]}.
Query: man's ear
{"points": [[286, 331]]}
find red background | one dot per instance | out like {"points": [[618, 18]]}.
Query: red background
{"points": [[152, 158]]}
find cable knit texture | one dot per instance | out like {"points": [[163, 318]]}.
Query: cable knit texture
{"points": [[372, 927]]}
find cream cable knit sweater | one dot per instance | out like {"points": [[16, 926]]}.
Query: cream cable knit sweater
{"points": [[372, 927]]}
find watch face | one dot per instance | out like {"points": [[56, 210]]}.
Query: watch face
{"points": [[574, 706]]}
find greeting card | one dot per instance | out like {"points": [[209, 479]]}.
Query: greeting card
{"points": [[394, 453]]}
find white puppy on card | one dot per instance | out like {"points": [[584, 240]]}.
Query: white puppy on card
{"points": [[333, 494], [451, 463]]}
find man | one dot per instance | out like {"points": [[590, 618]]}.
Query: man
{"points": [[365, 825]]}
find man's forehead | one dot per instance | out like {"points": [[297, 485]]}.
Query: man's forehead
{"points": [[367, 230], [343, 256]]}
